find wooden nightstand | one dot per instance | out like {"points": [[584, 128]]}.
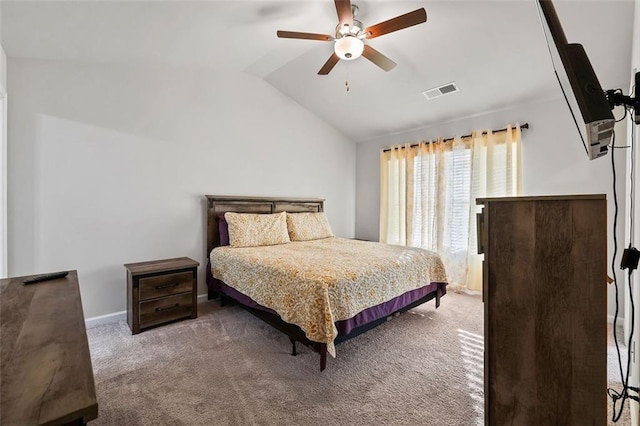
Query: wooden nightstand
{"points": [[161, 291]]}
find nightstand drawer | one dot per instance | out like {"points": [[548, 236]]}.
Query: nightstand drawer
{"points": [[166, 309], [165, 285]]}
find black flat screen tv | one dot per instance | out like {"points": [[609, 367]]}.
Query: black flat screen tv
{"points": [[587, 101]]}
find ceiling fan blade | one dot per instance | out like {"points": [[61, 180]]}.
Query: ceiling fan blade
{"points": [[398, 23], [328, 66], [305, 36], [378, 58], [345, 15]]}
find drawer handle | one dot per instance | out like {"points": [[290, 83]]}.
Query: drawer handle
{"points": [[167, 308], [161, 287]]}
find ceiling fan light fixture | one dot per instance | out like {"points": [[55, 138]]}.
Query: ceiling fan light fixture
{"points": [[348, 47]]}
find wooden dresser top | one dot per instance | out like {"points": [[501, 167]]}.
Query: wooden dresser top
{"points": [[45, 365], [542, 198]]}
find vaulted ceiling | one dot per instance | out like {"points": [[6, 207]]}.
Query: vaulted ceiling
{"points": [[495, 51]]}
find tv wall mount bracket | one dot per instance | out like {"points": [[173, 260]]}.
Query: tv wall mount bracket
{"points": [[618, 99]]}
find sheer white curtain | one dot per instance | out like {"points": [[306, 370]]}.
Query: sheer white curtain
{"points": [[428, 192]]}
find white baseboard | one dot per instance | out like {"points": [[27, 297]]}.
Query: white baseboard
{"points": [[105, 319], [117, 316]]}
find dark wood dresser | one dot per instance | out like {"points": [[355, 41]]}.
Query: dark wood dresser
{"points": [[161, 291], [45, 367], [545, 304]]}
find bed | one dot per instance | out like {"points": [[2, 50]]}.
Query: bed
{"points": [[290, 264]]}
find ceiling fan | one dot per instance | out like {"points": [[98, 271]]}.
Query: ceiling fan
{"points": [[350, 34]]}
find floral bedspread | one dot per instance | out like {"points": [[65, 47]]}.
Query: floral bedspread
{"points": [[314, 283]]}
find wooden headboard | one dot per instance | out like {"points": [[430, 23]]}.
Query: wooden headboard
{"points": [[218, 205]]}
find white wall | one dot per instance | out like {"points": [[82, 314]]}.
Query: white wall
{"points": [[3, 60], [109, 165], [3, 70], [3, 157], [553, 161]]}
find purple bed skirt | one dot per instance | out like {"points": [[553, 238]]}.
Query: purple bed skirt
{"points": [[344, 327]]}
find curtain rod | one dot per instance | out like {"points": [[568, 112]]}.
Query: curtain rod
{"points": [[522, 126]]}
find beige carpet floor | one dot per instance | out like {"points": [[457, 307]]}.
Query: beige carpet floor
{"points": [[228, 368]]}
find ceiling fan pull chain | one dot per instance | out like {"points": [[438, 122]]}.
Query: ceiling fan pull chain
{"points": [[346, 80]]}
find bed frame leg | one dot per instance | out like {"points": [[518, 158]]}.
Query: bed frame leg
{"points": [[323, 356], [211, 294], [293, 347]]}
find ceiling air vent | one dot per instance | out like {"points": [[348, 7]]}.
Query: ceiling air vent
{"points": [[436, 92]]}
